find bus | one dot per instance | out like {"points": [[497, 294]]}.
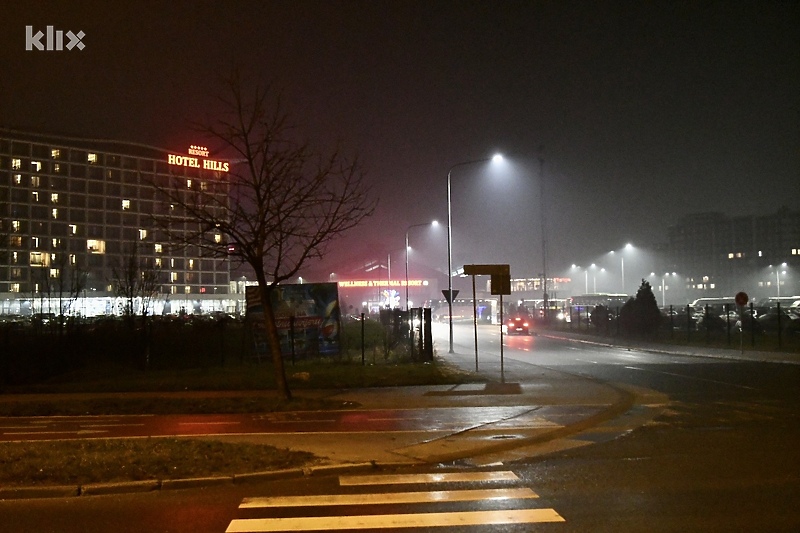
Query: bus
{"points": [[585, 303], [716, 305]]}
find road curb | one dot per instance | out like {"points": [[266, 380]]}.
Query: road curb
{"points": [[120, 487], [24, 493], [195, 482], [152, 485]]}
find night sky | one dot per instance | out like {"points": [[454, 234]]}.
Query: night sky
{"points": [[642, 112]]}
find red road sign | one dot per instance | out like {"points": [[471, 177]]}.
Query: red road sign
{"points": [[741, 299]]}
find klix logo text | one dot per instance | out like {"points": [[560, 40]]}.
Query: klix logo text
{"points": [[54, 39]]}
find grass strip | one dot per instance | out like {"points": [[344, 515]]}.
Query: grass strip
{"points": [[165, 406], [80, 462], [316, 374]]}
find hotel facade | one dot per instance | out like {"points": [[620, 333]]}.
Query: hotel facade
{"points": [[74, 212]]}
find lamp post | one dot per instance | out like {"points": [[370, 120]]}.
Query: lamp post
{"points": [[496, 157], [594, 277], [434, 223], [585, 277], [778, 277], [628, 246]]}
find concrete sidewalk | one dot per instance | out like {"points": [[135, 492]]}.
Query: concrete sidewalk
{"points": [[494, 419]]}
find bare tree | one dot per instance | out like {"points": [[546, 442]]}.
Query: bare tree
{"points": [[58, 284], [133, 278], [283, 202]]}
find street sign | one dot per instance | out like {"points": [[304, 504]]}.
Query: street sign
{"points": [[741, 299], [501, 276], [486, 270], [501, 284], [446, 293]]}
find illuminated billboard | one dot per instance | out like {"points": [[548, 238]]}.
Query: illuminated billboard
{"points": [[201, 161], [313, 310]]}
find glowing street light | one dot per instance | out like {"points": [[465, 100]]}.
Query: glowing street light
{"points": [[585, 275], [434, 223], [664, 286], [778, 277], [628, 246], [496, 158]]}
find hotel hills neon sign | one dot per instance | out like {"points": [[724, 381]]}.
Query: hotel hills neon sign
{"points": [[383, 283], [197, 162]]}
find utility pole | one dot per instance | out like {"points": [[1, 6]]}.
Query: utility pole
{"points": [[544, 234]]}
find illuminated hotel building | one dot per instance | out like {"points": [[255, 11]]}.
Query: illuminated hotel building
{"points": [[72, 207]]}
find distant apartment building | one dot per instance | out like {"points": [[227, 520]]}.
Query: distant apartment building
{"points": [[720, 254], [73, 208]]}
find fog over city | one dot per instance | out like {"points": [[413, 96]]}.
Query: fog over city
{"points": [[635, 114]]}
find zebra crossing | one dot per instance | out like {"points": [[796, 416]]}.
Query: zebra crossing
{"points": [[323, 512]]}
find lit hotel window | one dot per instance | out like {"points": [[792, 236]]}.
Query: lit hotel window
{"points": [[187, 289], [54, 272], [15, 225], [35, 196], [173, 276], [217, 238], [56, 168], [40, 259], [191, 264], [56, 243], [92, 158], [18, 179], [54, 197], [72, 259], [15, 257], [34, 242], [16, 164], [54, 212], [126, 204], [158, 248], [172, 263], [16, 241], [34, 181], [188, 184], [142, 234], [73, 229], [95, 246], [730, 256], [14, 287], [795, 251], [36, 166], [203, 186], [158, 262], [55, 153]]}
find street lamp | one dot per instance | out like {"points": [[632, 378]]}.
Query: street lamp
{"points": [[628, 246], [778, 277], [495, 158], [585, 276], [594, 277], [434, 223]]}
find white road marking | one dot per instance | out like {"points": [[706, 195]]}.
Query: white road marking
{"points": [[448, 477], [109, 425], [232, 423], [393, 521], [73, 432], [692, 378], [389, 498]]}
